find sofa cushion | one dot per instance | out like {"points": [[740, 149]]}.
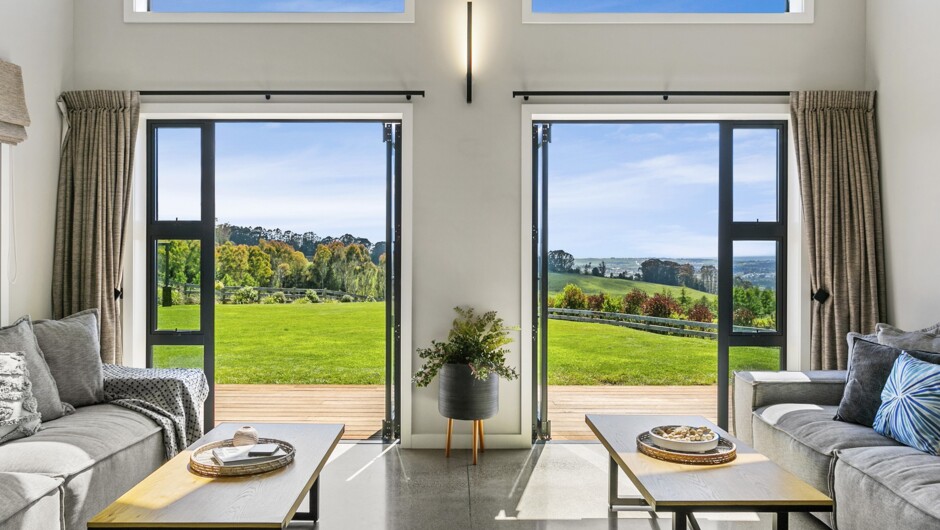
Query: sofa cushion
{"points": [[909, 340], [22, 492], [73, 353], [18, 414], [887, 487], [74, 443], [100, 452], [804, 438], [19, 337], [910, 408], [871, 364]]}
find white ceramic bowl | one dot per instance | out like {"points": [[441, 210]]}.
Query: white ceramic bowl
{"points": [[678, 445]]}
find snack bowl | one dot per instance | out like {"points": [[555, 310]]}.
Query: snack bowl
{"points": [[665, 436]]}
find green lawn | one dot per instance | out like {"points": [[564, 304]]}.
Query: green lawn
{"points": [[613, 286], [345, 344]]}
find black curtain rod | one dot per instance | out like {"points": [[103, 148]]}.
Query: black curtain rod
{"points": [[268, 93], [665, 94]]}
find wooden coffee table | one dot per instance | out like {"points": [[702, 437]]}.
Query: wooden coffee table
{"points": [[174, 497], [750, 483]]}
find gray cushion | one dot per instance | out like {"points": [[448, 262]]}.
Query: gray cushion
{"points": [[73, 353], [100, 452], [871, 365], [851, 337], [753, 390], [29, 501], [803, 439], [909, 340], [887, 487], [19, 337], [18, 415]]}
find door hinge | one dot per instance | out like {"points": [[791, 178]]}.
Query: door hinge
{"points": [[387, 132], [547, 133]]}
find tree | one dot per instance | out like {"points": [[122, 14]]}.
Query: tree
{"points": [[602, 269], [709, 276], [560, 261], [572, 297], [660, 271]]}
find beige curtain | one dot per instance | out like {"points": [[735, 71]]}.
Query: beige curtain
{"points": [[91, 215], [837, 151], [14, 118]]}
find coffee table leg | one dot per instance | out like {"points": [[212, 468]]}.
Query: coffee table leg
{"points": [[315, 500], [781, 521], [680, 520]]}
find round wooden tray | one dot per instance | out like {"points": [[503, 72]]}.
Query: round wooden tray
{"points": [[724, 453], [202, 463]]}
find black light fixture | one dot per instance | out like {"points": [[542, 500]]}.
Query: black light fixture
{"points": [[469, 51]]}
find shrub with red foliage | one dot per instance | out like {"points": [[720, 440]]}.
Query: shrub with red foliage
{"points": [[744, 317], [661, 305], [701, 313], [633, 302], [595, 302]]}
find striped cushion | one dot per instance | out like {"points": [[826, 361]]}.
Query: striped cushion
{"points": [[910, 407]]}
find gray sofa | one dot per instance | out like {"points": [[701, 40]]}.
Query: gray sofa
{"points": [[76, 466], [874, 481]]}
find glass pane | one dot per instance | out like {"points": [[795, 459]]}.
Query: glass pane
{"points": [[179, 174], [660, 6], [277, 6], [178, 357], [178, 265], [754, 358], [755, 286], [755, 175]]}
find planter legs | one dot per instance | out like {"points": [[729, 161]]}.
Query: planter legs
{"points": [[450, 431], [477, 440], [473, 443]]}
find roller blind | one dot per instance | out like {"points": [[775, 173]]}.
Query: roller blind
{"points": [[13, 114]]}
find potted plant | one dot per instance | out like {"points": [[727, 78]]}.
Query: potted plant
{"points": [[470, 363]]}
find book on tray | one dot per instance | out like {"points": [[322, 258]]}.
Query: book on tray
{"points": [[246, 454]]}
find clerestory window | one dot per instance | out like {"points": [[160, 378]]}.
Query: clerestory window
{"points": [[269, 11], [667, 11]]}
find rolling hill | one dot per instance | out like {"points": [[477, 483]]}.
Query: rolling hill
{"points": [[614, 286]]}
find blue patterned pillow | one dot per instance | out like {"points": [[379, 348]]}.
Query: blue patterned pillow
{"points": [[910, 405]]}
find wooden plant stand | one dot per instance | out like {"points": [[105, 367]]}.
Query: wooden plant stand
{"points": [[477, 436]]}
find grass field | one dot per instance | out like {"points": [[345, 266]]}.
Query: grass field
{"points": [[614, 287], [345, 344]]}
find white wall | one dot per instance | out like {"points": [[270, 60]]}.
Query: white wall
{"points": [[37, 35], [467, 157], [903, 43]]}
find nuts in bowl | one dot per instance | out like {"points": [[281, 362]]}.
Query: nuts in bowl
{"points": [[684, 438]]}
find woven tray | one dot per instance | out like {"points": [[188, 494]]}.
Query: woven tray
{"points": [[724, 453], [202, 463]]}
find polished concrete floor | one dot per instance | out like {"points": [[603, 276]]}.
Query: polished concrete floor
{"points": [[553, 486]]}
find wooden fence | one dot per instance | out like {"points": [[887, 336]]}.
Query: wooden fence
{"points": [[686, 328]]}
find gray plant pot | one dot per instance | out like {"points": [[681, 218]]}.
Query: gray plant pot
{"points": [[464, 397]]}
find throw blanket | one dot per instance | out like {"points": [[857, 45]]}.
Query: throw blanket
{"points": [[172, 397]]}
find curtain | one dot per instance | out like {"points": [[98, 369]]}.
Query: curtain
{"points": [[837, 151], [13, 114], [91, 214]]}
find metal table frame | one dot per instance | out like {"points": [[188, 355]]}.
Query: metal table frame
{"points": [[683, 516]]}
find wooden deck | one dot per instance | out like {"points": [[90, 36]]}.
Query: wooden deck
{"points": [[362, 407]]}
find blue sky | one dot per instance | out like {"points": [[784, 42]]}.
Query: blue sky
{"points": [[659, 6], [651, 190], [324, 177], [278, 6], [615, 190]]}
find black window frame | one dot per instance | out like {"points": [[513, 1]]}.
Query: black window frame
{"points": [[729, 231], [203, 230]]}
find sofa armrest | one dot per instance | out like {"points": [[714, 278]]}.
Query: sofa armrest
{"points": [[753, 390]]}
